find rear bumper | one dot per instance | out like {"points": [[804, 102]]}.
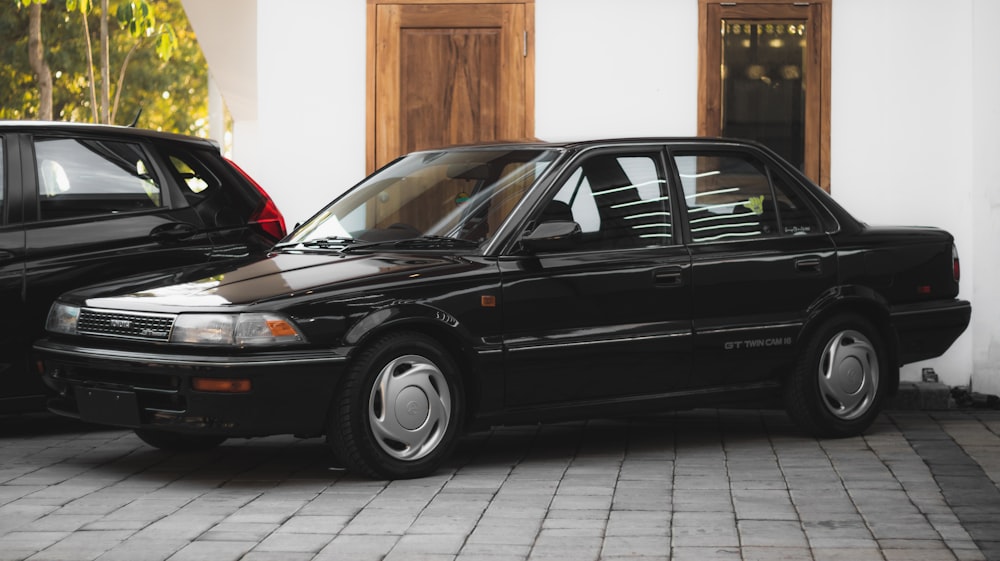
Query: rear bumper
{"points": [[290, 393], [926, 330]]}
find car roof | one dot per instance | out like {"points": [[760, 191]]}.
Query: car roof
{"points": [[578, 144], [90, 128]]}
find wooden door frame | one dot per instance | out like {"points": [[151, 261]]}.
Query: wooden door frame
{"points": [[371, 69], [818, 124]]}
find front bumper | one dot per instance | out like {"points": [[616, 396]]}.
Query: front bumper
{"points": [[927, 329], [290, 391]]}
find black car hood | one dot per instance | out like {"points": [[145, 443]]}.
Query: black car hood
{"points": [[278, 276]]}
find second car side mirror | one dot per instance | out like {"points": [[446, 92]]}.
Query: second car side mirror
{"points": [[552, 236]]}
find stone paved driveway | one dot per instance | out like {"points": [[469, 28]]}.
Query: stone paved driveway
{"points": [[700, 486]]}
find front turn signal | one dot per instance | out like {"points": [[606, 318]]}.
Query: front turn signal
{"points": [[222, 385]]}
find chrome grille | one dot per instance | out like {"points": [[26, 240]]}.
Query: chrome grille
{"points": [[131, 325]]}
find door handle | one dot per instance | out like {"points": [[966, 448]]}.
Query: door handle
{"points": [[668, 276], [172, 232], [808, 265]]}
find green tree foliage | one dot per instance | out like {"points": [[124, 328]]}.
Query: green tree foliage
{"points": [[163, 72]]}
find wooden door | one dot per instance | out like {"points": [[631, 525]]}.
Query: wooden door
{"points": [[803, 88], [447, 73]]}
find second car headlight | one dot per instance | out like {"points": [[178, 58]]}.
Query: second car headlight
{"points": [[234, 329]]}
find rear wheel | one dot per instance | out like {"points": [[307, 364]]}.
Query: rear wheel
{"points": [[178, 442], [840, 379], [398, 413]]}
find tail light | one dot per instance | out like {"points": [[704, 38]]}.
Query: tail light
{"points": [[956, 267], [267, 217]]}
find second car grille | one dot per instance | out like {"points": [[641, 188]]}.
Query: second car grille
{"points": [[131, 325]]}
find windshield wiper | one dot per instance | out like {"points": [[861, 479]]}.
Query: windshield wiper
{"points": [[330, 242], [423, 242]]}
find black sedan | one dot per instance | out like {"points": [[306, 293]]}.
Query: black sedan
{"points": [[478, 286]]}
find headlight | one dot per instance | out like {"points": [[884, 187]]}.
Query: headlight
{"points": [[206, 329], [244, 330], [62, 318]]}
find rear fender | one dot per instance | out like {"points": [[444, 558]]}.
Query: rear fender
{"points": [[865, 302]]}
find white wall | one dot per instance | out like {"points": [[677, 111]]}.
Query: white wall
{"points": [[986, 197], [627, 68], [311, 56], [902, 128]]}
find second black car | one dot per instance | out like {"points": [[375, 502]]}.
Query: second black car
{"points": [[85, 203]]}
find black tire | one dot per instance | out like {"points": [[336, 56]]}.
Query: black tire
{"points": [[399, 409], [840, 379], [178, 442]]}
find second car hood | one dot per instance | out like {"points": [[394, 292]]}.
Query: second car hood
{"points": [[277, 276]]}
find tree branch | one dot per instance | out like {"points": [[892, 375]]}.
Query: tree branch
{"points": [[121, 78]]}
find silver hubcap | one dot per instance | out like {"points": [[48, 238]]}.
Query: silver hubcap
{"points": [[848, 375], [409, 407]]}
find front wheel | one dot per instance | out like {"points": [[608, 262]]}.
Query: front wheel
{"points": [[398, 413], [178, 442], [840, 379]]}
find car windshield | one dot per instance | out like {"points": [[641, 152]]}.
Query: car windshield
{"points": [[460, 195]]}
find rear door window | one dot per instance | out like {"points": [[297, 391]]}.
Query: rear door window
{"points": [[92, 177], [735, 196]]}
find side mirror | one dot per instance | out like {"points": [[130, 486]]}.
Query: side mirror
{"points": [[552, 236]]}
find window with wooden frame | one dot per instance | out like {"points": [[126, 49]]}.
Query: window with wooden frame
{"points": [[764, 75]]}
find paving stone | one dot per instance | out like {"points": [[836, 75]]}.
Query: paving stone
{"points": [[635, 546], [295, 543], [357, 548], [239, 531], [771, 534], [216, 551], [144, 550], [846, 554], [687, 553]]}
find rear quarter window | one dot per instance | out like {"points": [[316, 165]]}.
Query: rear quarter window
{"points": [[211, 186]]}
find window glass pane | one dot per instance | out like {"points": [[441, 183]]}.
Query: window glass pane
{"points": [[763, 78], [193, 176], [93, 177], [725, 197], [796, 218], [465, 194], [729, 197], [618, 201]]}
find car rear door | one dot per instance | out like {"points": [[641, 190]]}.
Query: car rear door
{"points": [[761, 257], [100, 208], [610, 317]]}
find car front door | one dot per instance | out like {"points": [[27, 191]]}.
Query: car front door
{"points": [[760, 258], [609, 317]]}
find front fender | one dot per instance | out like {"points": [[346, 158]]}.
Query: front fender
{"points": [[409, 314]]}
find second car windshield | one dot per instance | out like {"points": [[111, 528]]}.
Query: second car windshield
{"points": [[461, 194]]}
